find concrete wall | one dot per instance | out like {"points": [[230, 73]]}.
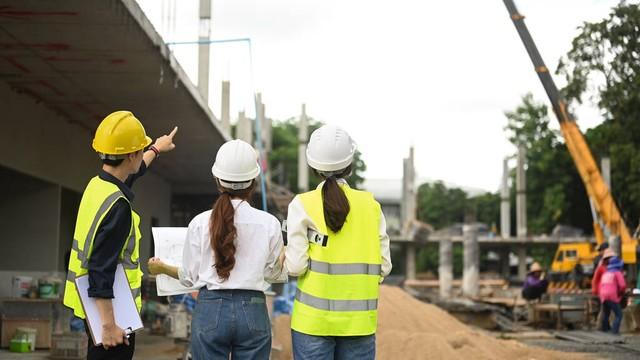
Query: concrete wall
{"points": [[29, 213], [49, 162]]}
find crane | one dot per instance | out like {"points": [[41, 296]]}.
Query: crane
{"points": [[607, 217]]}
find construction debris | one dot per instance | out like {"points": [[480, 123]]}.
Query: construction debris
{"points": [[590, 337]]}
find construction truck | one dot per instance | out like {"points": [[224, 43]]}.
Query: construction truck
{"points": [[573, 259]]}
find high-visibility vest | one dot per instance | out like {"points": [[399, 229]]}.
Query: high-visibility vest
{"points": [[97, 200], [338, 294]]}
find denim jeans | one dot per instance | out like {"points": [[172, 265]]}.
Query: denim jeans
{"points": [[310, 347], [232, 322], [607, 308]]}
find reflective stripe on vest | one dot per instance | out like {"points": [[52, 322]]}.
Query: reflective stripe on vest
{"points": [[338, 294], [88, 242], [336, 305], [344, 269]]}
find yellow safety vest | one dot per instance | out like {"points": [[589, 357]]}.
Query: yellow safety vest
{"points": [[338, 294], [97, 200]]}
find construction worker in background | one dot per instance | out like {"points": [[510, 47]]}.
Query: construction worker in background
{"points": [[601, 249], [611, 289], [339, 249], [231, 253], [600, 269], [535, 285], [107, 228]]}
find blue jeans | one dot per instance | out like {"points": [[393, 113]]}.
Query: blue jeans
{"points": [[309, 347], [232, 322], [607, 308]]}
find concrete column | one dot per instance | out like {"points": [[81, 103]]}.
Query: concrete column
{"points": [[505, 208], [411, 260], [303, 139], [408, 210], [265, 127], [203, 50], [225, 104], [522, 262], [521, 193], [244, 128], [471, 261], [505, 269], [445, 267]]}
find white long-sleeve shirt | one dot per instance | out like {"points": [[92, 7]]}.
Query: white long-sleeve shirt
{"points": [[258, 245], [298, 221]]}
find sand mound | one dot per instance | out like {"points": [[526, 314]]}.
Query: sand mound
{"points": [[410, 329]]}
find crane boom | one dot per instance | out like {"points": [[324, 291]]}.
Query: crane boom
{"points": [[597, 189]]}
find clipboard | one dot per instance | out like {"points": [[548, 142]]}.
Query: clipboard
{"points": [[125, 310]]}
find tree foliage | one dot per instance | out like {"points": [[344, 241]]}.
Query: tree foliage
{"points": [[441, 206], [555, 193], [603, 66]]}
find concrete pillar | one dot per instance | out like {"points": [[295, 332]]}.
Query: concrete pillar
{"points": [[203, 50], [521, 193], [225, 107], [244, 128], [522, 262], [471, 261], [505, 208], [505, 269], [445, 267], [408, 205], [265, 124], [411, 260], [303, 139]]}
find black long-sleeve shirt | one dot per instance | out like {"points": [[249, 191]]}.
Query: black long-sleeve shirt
{"points": [[111, 236]]}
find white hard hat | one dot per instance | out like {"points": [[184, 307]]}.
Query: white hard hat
{"points": [[330, 149], [236, 162]]}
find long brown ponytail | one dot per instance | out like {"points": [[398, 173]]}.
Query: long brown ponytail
{"points": [[334, 202], [223, 231]]}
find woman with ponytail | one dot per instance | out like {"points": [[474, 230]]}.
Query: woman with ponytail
{"points": [[339, 248], [232, 253]]}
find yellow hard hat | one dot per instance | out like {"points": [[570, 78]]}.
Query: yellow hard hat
{"points": [[120, 133]]}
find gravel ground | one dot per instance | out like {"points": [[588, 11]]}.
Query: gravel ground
{"points": [[600, 351]]}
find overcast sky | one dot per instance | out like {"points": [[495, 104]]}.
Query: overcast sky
{"points": [[434, 74]]}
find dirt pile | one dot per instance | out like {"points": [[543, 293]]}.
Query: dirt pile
{"points": [[410, 329]]}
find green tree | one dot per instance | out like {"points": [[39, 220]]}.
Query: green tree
{"points": [[283, 158], [603, 66], [554, 189], [440, 206]]}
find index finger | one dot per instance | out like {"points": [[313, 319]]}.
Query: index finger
{"points": [[173, 132]]}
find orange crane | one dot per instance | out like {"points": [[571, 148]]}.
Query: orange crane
{"points": [[607, 217]]}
